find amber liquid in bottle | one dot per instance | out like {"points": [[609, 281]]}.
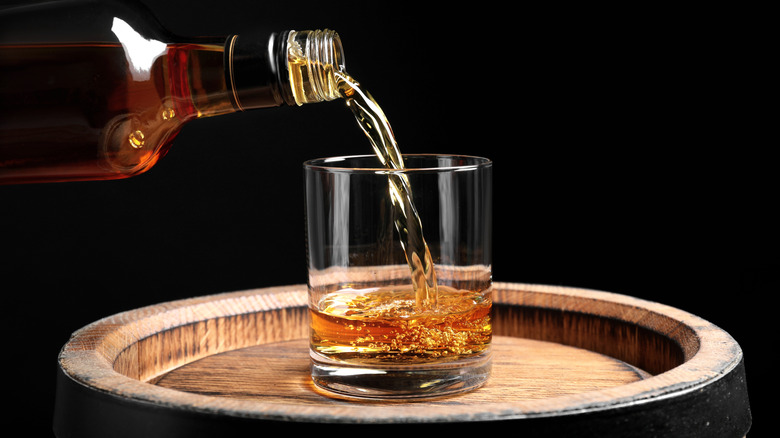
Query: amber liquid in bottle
{"points": [[104, 115]]}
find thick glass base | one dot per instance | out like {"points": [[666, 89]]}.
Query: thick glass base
{"points": [[400, 381]]}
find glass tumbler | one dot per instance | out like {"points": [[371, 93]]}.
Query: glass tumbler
{"points": [[399, 275]]}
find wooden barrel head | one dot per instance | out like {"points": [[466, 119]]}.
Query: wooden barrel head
{"points": [[566, 362]]}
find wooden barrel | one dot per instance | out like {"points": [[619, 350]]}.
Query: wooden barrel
{"points": [[566, 362]]}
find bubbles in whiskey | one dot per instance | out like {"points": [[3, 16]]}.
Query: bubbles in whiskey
{"points": [[383, 325]]}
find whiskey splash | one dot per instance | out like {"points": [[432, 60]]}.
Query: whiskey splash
{"points": [[374, 123], [417, 324]]}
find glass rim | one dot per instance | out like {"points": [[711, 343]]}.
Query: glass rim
{"points": [[323, 164]]}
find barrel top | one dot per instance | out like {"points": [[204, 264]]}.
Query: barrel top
{"points": [[559, 353]]}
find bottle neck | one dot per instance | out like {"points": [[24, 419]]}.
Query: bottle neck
{"points": [[313, 59], [286, 68]]}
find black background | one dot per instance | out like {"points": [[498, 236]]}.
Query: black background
{"points": [[628, 158]]}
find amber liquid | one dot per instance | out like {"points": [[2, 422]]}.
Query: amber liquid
{"points": [[103, 115], [380, 326], [421, 323], [374, 123]]}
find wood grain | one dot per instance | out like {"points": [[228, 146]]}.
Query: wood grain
{"points": [[522, 369]]}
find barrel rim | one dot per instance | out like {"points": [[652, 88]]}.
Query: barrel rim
{"points": [[86, 361]]}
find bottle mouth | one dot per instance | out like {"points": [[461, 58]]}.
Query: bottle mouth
{"points": [[313, 59]]}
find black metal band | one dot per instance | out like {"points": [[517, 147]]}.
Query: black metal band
{"points": [[256, 70]]}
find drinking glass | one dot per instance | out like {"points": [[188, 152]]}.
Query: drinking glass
{"points": [[399, 275]]}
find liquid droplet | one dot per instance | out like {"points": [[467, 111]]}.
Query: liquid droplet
{"points": [[168, 113], [137, 139]]}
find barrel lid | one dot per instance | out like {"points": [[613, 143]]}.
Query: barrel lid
{"points": [[688, 375]]}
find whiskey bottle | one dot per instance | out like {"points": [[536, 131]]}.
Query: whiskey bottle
{"points": [[98, 90]]}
